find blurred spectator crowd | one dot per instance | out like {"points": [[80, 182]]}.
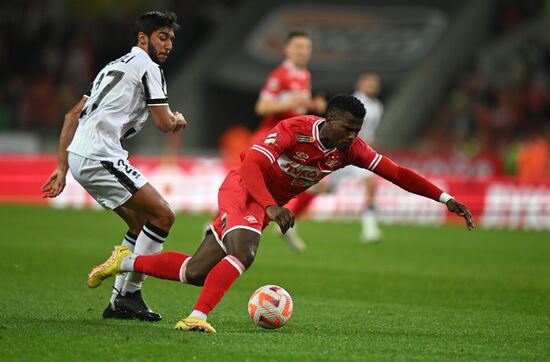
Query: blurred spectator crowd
{"points": [[52, 49], [505, 120]]}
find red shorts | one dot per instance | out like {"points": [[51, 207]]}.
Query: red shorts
{"points": [[237, 209]]}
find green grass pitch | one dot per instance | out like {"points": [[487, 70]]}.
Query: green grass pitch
{"points": [[424, 293]]}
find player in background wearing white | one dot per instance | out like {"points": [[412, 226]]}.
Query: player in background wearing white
{"points": [[287, 93], [122, 95], [367, 91]]}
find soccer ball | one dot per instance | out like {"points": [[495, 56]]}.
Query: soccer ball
{"points": [[270, 306]]}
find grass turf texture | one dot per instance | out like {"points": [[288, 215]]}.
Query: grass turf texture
{"points": [[425, 293]]}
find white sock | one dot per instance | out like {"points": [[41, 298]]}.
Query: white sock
{"points": [[149, 241], [127, 264], [198, 314], [129, 242]]}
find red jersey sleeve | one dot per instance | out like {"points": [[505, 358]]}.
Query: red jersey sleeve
{"points": [[253, 175], [276, 142], [362, 155], [273, 86]]}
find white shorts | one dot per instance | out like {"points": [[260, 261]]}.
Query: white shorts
{"points": [[111, 183]]}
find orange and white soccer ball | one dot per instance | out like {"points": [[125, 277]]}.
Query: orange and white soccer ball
{"points": [[270, 306]]}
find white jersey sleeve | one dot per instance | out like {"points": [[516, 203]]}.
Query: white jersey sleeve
{"points": [[154, 86]]}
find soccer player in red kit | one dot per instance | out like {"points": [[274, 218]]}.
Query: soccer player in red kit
{"points": [[285, 94], [295, 155]]}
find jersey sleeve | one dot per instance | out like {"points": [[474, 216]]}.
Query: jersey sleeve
{"points": [[276, 142], [273, 86], [362, 155], [154, 86], [88, 91]]}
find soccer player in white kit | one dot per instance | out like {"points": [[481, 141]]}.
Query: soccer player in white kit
{"points": [[120, 98], [367, 90]]}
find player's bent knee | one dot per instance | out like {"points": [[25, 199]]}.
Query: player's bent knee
{"points": [[246, 257], [164, 218]]}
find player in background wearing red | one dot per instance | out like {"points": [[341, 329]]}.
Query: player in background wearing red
{"points": [[294, 156], [287, 93]]}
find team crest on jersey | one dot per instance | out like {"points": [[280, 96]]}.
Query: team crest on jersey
{"points": [[273, 84], [301, 156], [270, 139], [251, 219], [333, 162], [305, 139]]}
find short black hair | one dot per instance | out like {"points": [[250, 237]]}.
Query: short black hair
{"points": [[295, 33], [154, 20], [346, 103]]}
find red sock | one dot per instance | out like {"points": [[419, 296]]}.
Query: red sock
{"points": [[165, 265], [217, 282], [298, 204]]}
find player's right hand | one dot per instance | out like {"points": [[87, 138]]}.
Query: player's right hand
{"points": [[281, 215], [461, 210], [54, 185]]}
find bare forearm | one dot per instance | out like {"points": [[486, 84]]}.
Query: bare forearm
{"points": [[67, 133], [266, 107]]}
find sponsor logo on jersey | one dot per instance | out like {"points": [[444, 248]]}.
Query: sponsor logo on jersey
{"points": [[301, 156], [251, 219], [270, 138], [300, 171], [305, 139]]}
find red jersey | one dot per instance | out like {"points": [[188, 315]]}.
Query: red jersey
{"points": [[280, 84], [290, 159], [299, 159]]}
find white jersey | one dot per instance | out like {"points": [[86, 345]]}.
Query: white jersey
{"points": [[372, 118], [117, 105]]}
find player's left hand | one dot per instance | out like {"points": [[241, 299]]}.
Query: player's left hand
{"points": [[461, 210], [54, 185], [181, 122], [281, 215]]}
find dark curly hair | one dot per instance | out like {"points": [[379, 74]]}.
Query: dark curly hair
{"points": [[154, 20], [346, 103]]}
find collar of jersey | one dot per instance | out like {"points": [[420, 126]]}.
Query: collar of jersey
{"points": [[316, 136], [136, 49]]}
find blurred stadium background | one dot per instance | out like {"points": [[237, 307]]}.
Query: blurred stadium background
{"points": [[465, 86]]}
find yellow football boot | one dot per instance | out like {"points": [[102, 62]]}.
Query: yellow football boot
{"points": [[194, 324], [108, 268]]}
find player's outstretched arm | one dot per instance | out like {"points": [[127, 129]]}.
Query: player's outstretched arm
{"points": [[411, 181], [461, 210], [55, 184]]}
